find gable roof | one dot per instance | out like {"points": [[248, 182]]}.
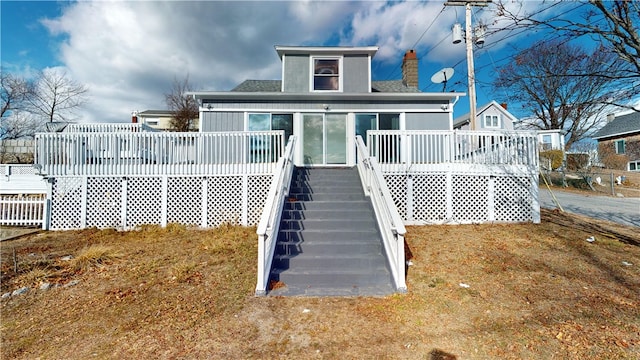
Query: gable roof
{"points": [[621, 125], [387, 86], [461, 120]]}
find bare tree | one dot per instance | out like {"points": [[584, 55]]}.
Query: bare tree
{"points": [[553, 80], [15, 93], [56, 96], [613, 24], [184, 108], [20, 124]]}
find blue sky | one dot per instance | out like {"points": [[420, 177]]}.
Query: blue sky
{"points": [[129, 52]]}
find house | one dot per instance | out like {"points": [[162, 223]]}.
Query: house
{"points": [[619, 142], [327, 97], [326, 162], [489, 117], [157, 119], [325, 101]]}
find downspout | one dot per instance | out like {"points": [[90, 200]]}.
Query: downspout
{"points": [[451, 112]]}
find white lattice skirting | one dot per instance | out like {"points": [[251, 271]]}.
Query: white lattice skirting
{"points": [[450, 198], [128, 202]]}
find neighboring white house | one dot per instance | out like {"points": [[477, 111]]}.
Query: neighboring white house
{"points": [[157, 119], [551, 139], [491, 116], [494, 116]]}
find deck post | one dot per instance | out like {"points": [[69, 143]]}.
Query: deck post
{"points": [[245, 200], [205, 202], [83, 202], [449, 194], [491, 201], [123, 203], [46, 207], [164, 195]]}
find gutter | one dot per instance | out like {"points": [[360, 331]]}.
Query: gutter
{"points": [[323, 96]]}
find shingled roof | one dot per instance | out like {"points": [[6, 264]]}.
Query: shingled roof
{"points": [[388, 86], [259, 86], [622, 125]]}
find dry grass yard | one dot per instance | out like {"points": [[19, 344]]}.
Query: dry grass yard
{"points": [[528, 292]]}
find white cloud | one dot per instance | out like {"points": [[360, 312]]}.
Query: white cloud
{"points": [[129, 52]]}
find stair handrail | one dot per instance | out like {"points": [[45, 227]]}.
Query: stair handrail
{"points": [[269, 224], [391, 224]]}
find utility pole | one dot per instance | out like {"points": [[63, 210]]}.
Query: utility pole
{"points": [[471, 78]]}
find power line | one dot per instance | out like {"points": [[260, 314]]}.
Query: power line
{"points": [[399, 67]]}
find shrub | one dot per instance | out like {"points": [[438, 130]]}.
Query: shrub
{"points": [[94, 255], [555, 156]]}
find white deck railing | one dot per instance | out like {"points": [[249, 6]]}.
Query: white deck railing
{"points": [[109, 127], [391, 225], [157, 153], [269, 225], [395, 147]]}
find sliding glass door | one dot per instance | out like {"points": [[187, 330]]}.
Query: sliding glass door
{"points": [[324, 139]]}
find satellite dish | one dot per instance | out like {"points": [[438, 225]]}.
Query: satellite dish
{"points": [[56, 126], [442, 76]]}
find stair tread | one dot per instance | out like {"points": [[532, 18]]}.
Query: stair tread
{"points": [[349, 271], [324, 256], [316, 291]]}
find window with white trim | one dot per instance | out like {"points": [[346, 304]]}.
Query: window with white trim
{"points": [[267, 121], [327, 73], [261, 148], [491, 121], [634, 165], [620, 146], [546, 142]]}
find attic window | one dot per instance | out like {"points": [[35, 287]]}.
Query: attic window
{"points": [[491, 121], [326, 74]]}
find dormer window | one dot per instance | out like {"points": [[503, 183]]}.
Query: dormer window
{"points": [[326, 74], [491, 121]]}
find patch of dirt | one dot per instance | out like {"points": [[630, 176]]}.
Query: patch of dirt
{"points": [[532, 291]]}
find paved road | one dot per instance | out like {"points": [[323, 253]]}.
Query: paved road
{"points": [[621, 210]]}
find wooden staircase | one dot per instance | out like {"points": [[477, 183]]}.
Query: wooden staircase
{"points": [[329, 243]]}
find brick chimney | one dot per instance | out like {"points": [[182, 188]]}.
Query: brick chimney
{"points": [[410, 69], [504, 106], [134, 117]]}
